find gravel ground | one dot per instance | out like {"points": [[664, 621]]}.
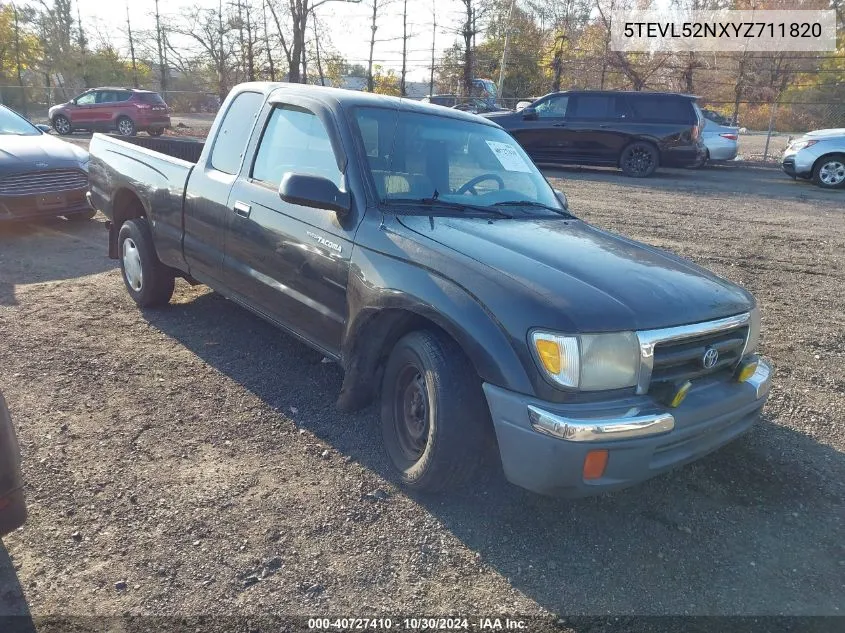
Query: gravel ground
{"points": [[189, 460]]}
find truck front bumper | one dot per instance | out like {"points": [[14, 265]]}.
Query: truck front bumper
{"points": [[544, 445]]}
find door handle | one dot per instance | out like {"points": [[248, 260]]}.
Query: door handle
{"points": [[604, 125], [242, 209]]}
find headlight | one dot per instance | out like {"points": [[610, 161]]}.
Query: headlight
{"points": [[590, 362], [798, 145], [753, 332]]}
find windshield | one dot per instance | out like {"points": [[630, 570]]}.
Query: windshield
{"points": [[414, 156], [11, 123]]}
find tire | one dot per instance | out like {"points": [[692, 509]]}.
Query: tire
{"points": [[125, 126], [149, 282], [156, 132], [62, 125], [829, 172], [81, 216], [433, 413], [639, 160]]}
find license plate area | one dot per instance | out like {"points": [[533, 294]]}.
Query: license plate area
{"points": [[50, 201]]}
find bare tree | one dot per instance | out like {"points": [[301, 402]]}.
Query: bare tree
{"points": [[376, 6], [208, 29], [131, 49], [162, 54]]}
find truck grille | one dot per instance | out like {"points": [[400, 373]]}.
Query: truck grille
{"points": [[40, 182], [683, 359]]}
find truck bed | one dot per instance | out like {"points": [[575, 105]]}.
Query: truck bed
{"points": [[151, 172], [187, 149]]}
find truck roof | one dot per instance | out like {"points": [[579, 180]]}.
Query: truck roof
{"points": [[355, 98]]}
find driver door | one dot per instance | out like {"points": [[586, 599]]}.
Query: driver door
{"points": [[81, 113], [291, 262], [544, 137]]}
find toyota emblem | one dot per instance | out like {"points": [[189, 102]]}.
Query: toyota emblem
{"points": [[710, 358]]}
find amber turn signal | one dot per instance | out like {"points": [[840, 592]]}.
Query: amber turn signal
{"points": [[745, 370], [680, 394], [594, 464]]}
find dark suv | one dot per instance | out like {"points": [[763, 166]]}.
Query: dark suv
{"points": [[635, 131], [126, 110]]}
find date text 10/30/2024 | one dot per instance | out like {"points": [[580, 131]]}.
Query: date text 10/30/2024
{"points": [[416, 624]]}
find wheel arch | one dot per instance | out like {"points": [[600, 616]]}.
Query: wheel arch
{"points": [[375, 327], [824, 157], [126, 204]]}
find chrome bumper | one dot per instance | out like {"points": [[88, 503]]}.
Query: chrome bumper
{"points": [[630, 424]]}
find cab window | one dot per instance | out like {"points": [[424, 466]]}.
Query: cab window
{"points": [[295, 140], [233, 134]]}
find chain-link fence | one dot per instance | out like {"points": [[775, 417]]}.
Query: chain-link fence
{"points": [[764, 127]]}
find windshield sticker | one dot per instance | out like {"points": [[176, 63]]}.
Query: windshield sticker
{"points": [[508, 156]]}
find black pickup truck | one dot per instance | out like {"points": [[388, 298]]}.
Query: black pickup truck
{"points": [[421, 249]]}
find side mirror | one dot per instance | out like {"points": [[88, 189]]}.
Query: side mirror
{"points": [[44, 128], [315, 192], [529, 113], [562, 198]]}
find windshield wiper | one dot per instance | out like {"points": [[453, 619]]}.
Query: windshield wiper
{"points": [[532, 203], [436, 203]]}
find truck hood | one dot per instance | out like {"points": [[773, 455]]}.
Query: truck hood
{"points": [[20, 153], [596, 281]]}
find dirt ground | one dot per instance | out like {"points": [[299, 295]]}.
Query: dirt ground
{"points": [[189, 460]]}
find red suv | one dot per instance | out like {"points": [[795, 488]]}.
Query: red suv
{"points": [[126, 110]]}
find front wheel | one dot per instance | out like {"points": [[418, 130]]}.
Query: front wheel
{"points": [[433, 412], [639, 160], [149, 282], [62, 125], [125, 126], [829, 172]]}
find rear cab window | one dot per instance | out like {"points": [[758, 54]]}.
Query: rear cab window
{"points": [[234, 132]]}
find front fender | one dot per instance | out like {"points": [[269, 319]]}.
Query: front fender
{"points": [[388, 296]]}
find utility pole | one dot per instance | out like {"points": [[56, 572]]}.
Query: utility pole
{"points": [[162, 62], [131, 49], [505, 51], [317, 46], [433, 38], [267, 42], [18, 58], [373, 27], [402, 91], [82, 43]]}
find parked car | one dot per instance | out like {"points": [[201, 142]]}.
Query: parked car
{"points": [[12, 504], [717, 117], [40, 175], [421, 249], [448, 101], [818, 155], [635, 131], [480, 106], [126, 110], [721, 141]]}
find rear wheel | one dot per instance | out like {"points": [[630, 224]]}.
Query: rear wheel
{"points": [[639, 160], [125, 126], [149, 282], [433, 413], [829, 172], [62, 125]]}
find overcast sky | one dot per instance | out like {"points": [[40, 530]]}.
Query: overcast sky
{"points": [[347, 26]]}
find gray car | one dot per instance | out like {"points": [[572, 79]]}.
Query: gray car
{"points": [[818, 155], [721, 141]]}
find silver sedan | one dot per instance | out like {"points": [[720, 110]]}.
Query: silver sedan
{"points": [[721, 141], [818, 155]]}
